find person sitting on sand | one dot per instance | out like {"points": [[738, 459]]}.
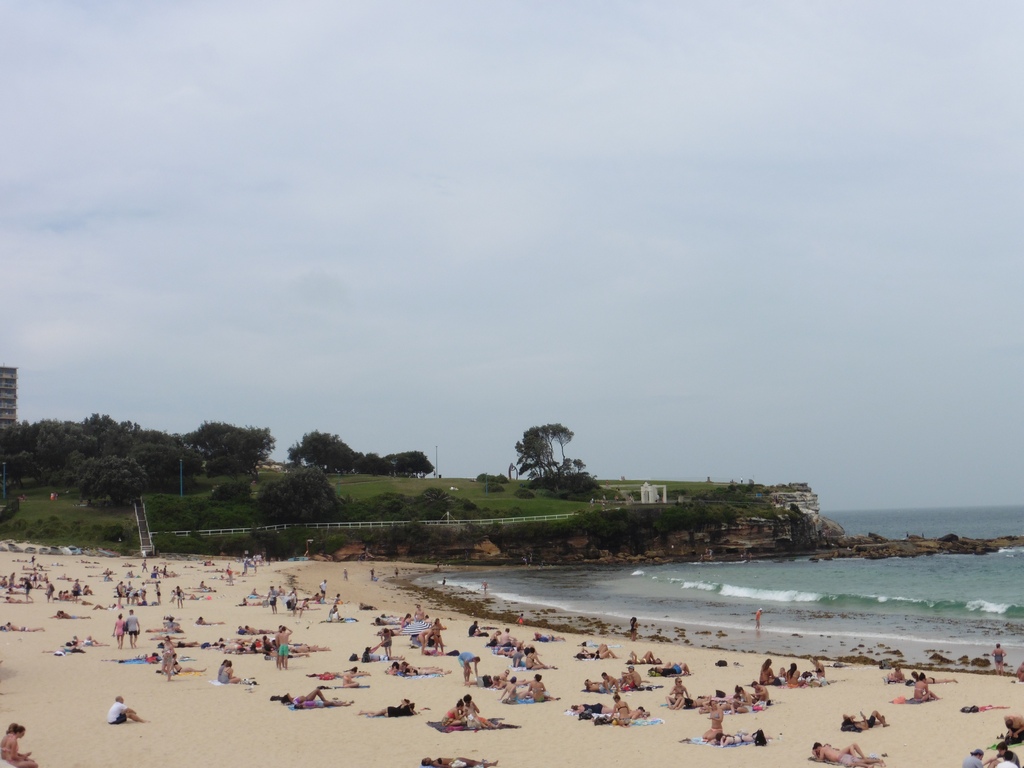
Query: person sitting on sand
{"points": [[9, 748], [631, 680], [1014, 728], [896, 676], [315, 699], [456, 715], [850, 723], [647, 658], [533, 660], [1003, 756], [766, 676], [620, 709], [121, 713], [608, 684], [851, 755], [760, 694], [1020, 673], [715, 715], [457, 762], [535, 690], [921, 691], [473, 717], [405, 709], [678, 696], [226, 674]]}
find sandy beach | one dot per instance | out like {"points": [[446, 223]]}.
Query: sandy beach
{"points": [[63, 700]]}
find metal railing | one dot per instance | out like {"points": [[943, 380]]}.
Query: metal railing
{"points": [[370, 524]]}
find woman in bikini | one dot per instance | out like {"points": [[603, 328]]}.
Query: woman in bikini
{"points": [[9, 748], [715, 716], [620, 709]]}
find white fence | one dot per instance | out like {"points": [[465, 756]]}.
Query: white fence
{"points": [[370, 524]]}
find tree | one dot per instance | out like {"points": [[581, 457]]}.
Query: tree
{"points": [[538, 460], [111, 438], [17, 451], [166, 459], [301, 496], [230, 450], [113, 477], [60, 448], [373, 464], [328, 452], [410, 463]]}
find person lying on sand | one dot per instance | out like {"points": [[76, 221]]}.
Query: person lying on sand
{"points": [[608, 684], [405, 709], [851, 723], [722, 739], [63, 615], [593, 709], [457, 762], [9, 627], [678, 668], [851, 755], [315, 699], [647, 658], [541, 638]]}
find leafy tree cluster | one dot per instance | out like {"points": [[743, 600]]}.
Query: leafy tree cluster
{"points": [[541, 457], [332, 455]]}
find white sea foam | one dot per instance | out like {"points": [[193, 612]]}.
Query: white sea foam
{"points": [[706, 586], [637, 573], [770, 595], [986, 607]]}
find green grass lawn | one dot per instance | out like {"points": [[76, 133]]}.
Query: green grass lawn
{"points": [[65, 521]]}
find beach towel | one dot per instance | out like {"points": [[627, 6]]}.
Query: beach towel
{"points": [[438, 726], [905, 700], [701, 742], [648, 721], [421, 677]]}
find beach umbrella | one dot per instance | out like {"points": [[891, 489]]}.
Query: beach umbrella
{"points": [[415, 627]]}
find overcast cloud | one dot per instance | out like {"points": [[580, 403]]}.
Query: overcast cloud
{"points": [[770, 240]]}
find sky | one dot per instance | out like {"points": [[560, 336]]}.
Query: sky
{"points": [[767, 240]]}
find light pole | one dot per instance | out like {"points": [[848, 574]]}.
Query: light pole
{"points": [[181, 477], [5, 481]]}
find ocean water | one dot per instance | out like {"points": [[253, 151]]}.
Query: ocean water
{"points": [[954, 604]]}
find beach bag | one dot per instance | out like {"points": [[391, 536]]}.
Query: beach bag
{"points": [[488, 681], [586, 715], [721, 663], [353, 657], [760, 740]]}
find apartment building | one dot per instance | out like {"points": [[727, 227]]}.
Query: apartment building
{"points": [[8, 396]]}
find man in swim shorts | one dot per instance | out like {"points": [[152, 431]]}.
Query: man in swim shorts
{"points": [[466, 658], [282, 637], [120, 713]]}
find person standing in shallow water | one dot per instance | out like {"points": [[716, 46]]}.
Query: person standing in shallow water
{"points": [[999, 659], [632, 629]]}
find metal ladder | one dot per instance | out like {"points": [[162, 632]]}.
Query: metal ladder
{"points": [[145, 538]]}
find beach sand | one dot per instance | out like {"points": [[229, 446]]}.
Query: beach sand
{"points": [[63, 701]]}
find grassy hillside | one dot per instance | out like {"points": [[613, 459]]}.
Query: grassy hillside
{"points": [[65, 521]]}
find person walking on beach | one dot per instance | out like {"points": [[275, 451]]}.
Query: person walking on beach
{"points": [[121, 713], [119, 630], [131, 626], [999, 658], [757, 619], [632, 629]]}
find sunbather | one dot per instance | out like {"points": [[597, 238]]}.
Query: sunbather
{"points": [[852, 755]]}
